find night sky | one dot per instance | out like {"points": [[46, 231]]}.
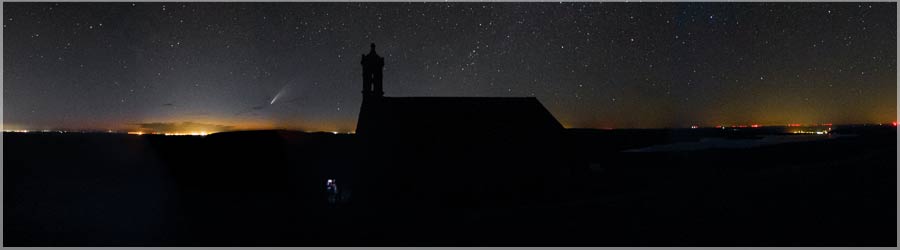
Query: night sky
{"points": [[219, 66]]}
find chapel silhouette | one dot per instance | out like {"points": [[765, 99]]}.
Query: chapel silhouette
{"points": [[446, 115], [457, 151]]}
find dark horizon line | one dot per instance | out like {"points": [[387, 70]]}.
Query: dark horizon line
{"points": [[754, 126]]}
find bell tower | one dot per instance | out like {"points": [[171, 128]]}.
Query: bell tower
{"points": [[372, 65]]}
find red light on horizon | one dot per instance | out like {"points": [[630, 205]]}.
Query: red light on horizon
{"points": [[754, 126], [894, 123], [794, 125]]}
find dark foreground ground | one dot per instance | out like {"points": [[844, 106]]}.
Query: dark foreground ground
{"points": [[266, 188]]}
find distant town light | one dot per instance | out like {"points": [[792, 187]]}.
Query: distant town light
{"points": [[823, 132], [193, 133], [15, 131]]}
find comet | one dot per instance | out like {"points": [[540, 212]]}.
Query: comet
{"points": [[280, 92], [260, 107]]}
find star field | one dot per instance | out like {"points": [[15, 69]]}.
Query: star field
{"points": [[132, 65]]}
